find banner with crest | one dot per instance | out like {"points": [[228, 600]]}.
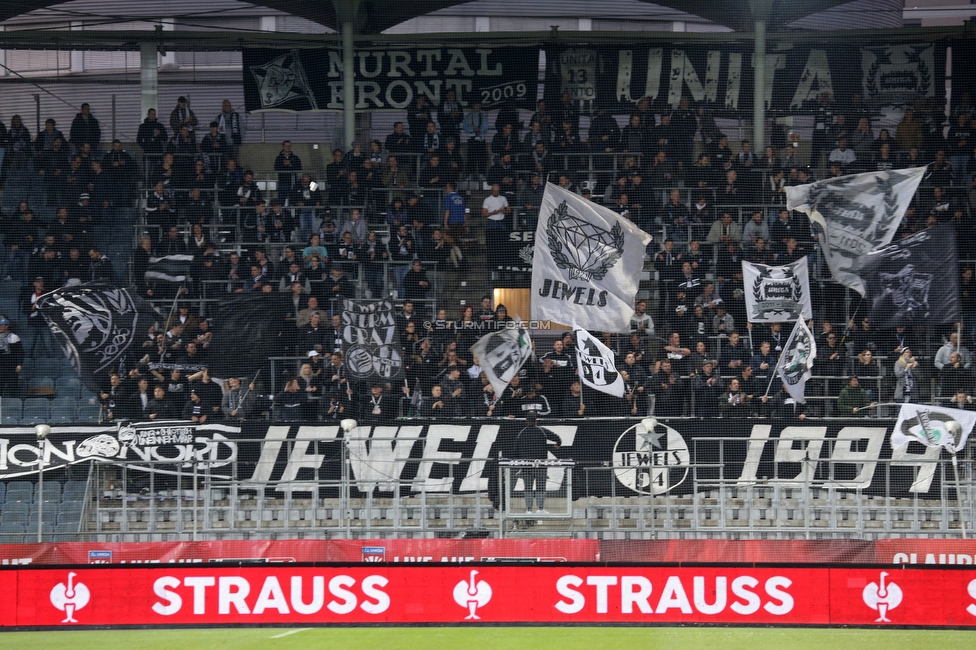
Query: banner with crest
{"points": [[914, 281], [777, 294], [370, 341], [586, 264], [855, 214], [502, 354], [96, 325], [596, 364]]}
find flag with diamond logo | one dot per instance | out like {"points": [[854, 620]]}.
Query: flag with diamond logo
{"points": [[587, 263]]}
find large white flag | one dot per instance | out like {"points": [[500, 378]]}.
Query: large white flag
{"points": [[587, 264], [501, 355], [795, 364], [596, 364], [856, 214], [933, 427], [776, 294]]}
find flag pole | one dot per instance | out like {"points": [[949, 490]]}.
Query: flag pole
{"points": [[955, 471]]}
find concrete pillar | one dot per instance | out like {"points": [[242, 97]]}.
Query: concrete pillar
{"points": [[348, 85], [77, 56], [759, 90], [148, 77]]}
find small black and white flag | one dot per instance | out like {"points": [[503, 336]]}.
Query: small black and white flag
{"points": [[587, 263], [777, 294], [933, 427], [370, 342], [855, 214], [96, 326], [501, 355], [795, 364], [596, 364], [914, 281], [174, 269]]}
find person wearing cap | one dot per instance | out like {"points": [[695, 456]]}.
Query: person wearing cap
{"points": [[195, 409], [376, 405], [530, 199], [338, 287], [707, 387], [182, 116], [531, 443], [11, 359]]}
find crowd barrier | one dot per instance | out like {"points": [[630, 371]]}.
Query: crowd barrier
{"points": [[304, 595]]}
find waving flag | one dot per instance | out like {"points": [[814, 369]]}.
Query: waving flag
{"points": [[914, 281], [587, 263], [855, 214], [501, 355], [96, 326], [933, 427], [796, 363], [596, 364], [169, 268]]}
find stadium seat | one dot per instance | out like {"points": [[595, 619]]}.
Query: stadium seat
{"points": [[12, 403], [64, 402], [35, 415], [15, 515], [63, 414], [68, 387], [52, 489], [3, 492], [41, 386], [12, 533], [89, 413], [45, 367], [37, 402]]}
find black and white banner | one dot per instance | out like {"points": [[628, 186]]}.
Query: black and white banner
{"points": [[617, 456], [164, 447], [390, 78], [174, 269], [370, 342], [722, 76], [914, 281], [777, 294], [501, 355], [586, 264], [855, 214], [96, 326], [933, 427]]}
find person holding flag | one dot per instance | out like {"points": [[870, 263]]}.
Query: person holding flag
{"points": [[795, 365]]}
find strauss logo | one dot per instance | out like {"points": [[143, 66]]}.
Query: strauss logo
{"points": [[71, 598], [882, 598], [472, 595]]}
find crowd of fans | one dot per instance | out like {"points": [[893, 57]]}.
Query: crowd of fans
{"points": [[393, 215]]}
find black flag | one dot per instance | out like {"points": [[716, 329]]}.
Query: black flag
{"points": [[914, 281], [96, 325], [249, 329]]}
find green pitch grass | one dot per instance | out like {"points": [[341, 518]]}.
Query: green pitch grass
{"points": [[495, 638]]}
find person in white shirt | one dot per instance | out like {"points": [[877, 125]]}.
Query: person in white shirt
{"points": [[842, 154], [495, 210]]}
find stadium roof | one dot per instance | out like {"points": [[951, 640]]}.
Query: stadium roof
{"points": [[375, 16]]}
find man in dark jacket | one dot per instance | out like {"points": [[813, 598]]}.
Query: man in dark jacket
{"points": [[290, 403], [531, 444]]}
